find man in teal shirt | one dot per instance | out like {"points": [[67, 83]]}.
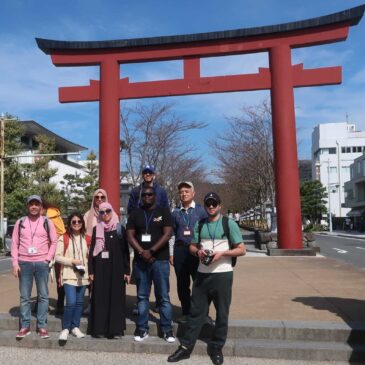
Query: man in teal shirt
{"points": [[214, 279]]}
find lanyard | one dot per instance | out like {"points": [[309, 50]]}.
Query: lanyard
{"points": [[30, 228], [186, 217], [78, 250], [212, 237], [148, 221]]}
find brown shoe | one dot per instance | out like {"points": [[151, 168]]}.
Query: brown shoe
{"points": [[23, 332], [43, 333]]}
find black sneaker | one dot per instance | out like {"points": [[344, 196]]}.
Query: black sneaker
{"points": [[181, 353], [169, 337], [215, 355], [140, 335]]}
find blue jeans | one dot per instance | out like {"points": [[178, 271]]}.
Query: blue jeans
{"points": [[158, 273], [39, 271], [74, 306]]}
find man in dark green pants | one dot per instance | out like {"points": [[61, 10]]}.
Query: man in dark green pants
{"points": [[216, 241]]}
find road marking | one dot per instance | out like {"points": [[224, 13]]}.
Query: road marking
{"points": [[339, 250], [361, 248]]}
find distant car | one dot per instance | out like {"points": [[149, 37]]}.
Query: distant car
{"points": [[9, 233]]}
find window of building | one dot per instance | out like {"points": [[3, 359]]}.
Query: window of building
{"points": [[359, 148], [353, 149], [343, 149], [358, 167], [363, 167], [333, 170], [332, 150], [348, 149]]}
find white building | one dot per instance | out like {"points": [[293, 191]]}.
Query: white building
{"points": [[64, 163], [334, 148]]}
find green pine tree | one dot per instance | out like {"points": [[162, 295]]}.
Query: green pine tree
{"points": [[313, 203]]}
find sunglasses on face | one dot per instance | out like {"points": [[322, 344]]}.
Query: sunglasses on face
{"points": [[103, 212], [76, 221], [147, 194], [100, 197], [211, 203]]}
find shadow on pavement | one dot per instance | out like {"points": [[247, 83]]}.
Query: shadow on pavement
{"points": [[352, 311]]}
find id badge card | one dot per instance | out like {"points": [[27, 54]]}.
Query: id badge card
{"points": [[146, 238], [105, 254], [32, 250], [187, 232]]}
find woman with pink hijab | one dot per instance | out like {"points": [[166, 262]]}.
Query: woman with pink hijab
{"points": [[109, 271]]}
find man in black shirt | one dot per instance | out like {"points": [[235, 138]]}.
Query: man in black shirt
{"points": [[148, 231]]}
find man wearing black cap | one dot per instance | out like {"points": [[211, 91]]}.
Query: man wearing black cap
{"points": [[216, 242], [185, 216], [148, 176]]}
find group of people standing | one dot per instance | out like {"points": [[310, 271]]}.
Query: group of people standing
{"points": [[198, 241]]}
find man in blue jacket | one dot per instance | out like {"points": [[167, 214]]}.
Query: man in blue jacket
{"points": [[148, 176]]}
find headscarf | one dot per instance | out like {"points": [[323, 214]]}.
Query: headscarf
{"points": [[92, 214], [103, 227]]}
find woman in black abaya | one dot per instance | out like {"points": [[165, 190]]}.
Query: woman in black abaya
{"points": [[109, 271]]}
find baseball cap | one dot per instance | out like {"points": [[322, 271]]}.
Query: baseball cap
{"points": [[212, 196], [148, 168], [34, 197], [187, 183]]}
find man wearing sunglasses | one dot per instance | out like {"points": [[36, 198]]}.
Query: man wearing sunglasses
{"points": [[149, 229], [214, 279], [149, 177]]}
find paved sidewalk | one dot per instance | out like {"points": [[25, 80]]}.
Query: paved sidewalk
{"points": [[266, 288], [349, 234]]}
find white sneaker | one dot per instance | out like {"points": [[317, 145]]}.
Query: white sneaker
{"points": [[77, 333], [169, 337], [140, 335], [64, 335]]}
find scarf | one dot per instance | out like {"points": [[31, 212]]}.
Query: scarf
{"points": [[93, 214], [103, 227]]}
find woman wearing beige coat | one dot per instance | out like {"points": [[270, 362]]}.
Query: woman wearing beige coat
{"points": [[72, 254]]}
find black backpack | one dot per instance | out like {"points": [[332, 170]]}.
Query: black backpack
{"points": [[226, 234]]}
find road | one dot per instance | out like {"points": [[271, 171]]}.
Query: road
{"points": [[349, 250], [5, 263]]}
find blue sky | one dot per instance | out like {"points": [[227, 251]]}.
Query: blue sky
{"points": [[29, 82]]}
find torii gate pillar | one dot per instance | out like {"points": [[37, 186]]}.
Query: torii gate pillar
{"points": [[285, 148], [109, 141]]}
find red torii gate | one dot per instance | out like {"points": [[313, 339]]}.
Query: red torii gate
{"points": [[280, 78]]}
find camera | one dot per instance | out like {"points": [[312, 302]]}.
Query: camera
{"points": [[206, 260], [80, 269]]}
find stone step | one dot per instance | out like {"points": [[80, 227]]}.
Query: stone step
{"points": [[258, 348], [238, 329]]}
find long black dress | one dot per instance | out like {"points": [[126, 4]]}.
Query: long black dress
{"points": [[107, 315]]}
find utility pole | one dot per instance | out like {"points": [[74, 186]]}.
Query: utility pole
{"points": [[2, 157], [329, 197]]}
